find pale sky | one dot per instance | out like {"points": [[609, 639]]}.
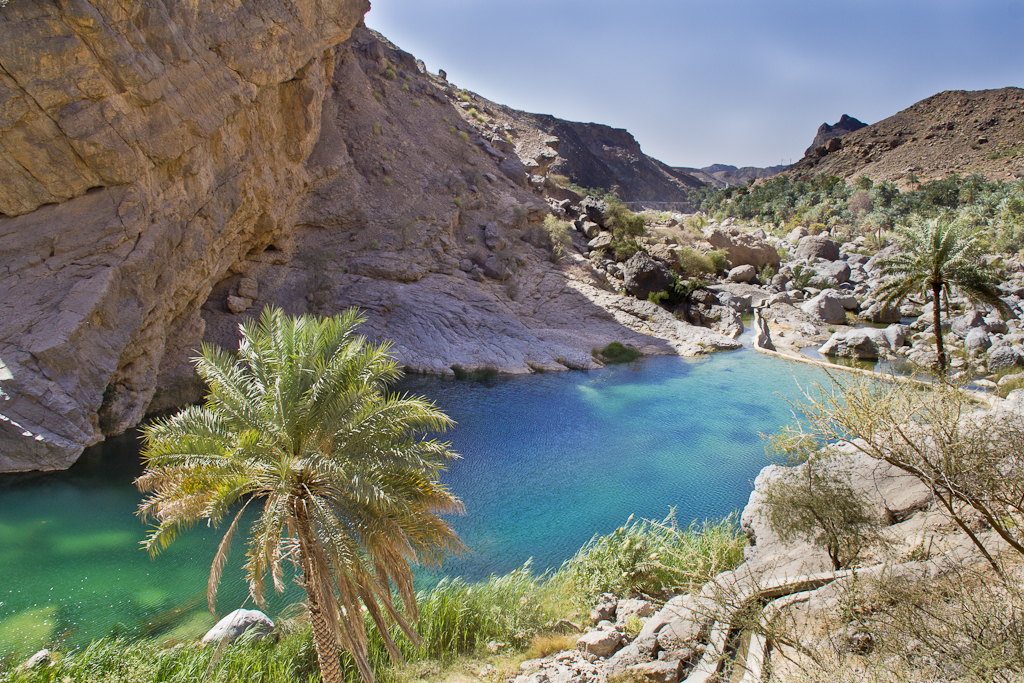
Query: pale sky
{"points": [[743, 82]]}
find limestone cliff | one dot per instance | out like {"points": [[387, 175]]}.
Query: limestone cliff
{"points": [[145, 148], [169, 169]]}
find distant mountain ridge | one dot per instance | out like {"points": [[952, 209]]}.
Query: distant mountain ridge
{"points": [[725, 175]]}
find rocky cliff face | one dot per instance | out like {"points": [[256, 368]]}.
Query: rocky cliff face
{"points": [[144, 149], [598, 156], [953, 132], [168, 170]]}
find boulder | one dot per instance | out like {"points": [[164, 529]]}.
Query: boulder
{"points": [[639, 651], [837, 271], [1002, 358], [977, 340], [602, 241], [590, 229], [605, 608], [828, 306], [963, 324], [630, 607], [642, 276], [744, 273], [594, 210], [658, 671], [238, 622], [687, 620], [817, 246], [600, 643], [514, 170], [896, 335], [665, 255], [856, 344], [41, 658], [496, 269], [996, 325], [796, 234], [743, 248], [248, 288], [877, 312], [237, 304], [492, 237]]}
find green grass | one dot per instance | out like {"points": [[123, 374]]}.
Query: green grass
{"points": [[648, 557], [617, 352]]}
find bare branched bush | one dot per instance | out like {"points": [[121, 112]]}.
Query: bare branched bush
{"points": [[815, 500], [970, 459]]}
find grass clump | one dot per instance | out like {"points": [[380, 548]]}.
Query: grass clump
{"points": [[647, 557], [112, 660], [460, 618], [617, 352], [693, 262], [557, 237]]}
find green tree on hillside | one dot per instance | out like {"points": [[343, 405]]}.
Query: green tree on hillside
{"points": [[934, 257], [298, 422]]}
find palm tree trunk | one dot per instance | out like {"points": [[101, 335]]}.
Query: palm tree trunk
{"points": [[937, 321], [323, 640]]}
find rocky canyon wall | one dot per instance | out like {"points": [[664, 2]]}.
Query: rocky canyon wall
{"points": [[145, 148]]}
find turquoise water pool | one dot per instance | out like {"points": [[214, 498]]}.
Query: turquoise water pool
{"points": [[547, 462]]}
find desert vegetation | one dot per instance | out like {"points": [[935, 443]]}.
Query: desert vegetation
{"points": [[995, 208]]}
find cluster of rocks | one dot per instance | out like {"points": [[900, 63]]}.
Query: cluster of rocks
{"points": [[827, 292], [666, 647]]}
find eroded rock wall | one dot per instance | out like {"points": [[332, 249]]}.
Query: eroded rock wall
{"points": [[145, 148]]}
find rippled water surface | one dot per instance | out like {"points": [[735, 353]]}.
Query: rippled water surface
{"points": [[547, 462]]}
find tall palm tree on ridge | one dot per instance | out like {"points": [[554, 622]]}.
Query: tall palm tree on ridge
{"points": [[934, 257], [298, 422]]}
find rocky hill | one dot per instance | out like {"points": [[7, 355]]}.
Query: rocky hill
{"points": [[590, 155], [168, 170], [953, 132], [845, 124]]}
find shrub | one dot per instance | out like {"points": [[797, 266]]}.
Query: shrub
{"points": [[622, 222], [814, 500], [376, 129], [693, 262], [617, 352], [719, 260], [696, 223], [647, 557], [624, 250], [557, 236]]}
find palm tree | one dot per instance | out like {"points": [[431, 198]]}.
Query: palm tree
{"points": [[299, 423], [934, 257]]}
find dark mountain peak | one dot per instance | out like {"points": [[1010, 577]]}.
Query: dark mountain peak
{"points": [[845, 124]]}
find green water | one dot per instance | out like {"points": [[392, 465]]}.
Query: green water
{"points": [[548, 461]]}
